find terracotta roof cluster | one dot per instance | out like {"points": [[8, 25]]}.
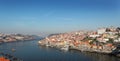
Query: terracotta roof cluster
{"points": [[4, 59]]}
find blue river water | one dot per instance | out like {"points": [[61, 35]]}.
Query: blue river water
{"points": [[31, 51]]}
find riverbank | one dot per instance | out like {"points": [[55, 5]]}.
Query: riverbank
{"points": [[31, 51], [5, 38], [106, 42], [82, 49], [8, 57]]}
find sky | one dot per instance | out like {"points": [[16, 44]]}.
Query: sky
{"points": [[54, 16]]}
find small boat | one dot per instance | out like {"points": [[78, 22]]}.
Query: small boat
{"points": [[65, 48], [39, 42], [13, 50]]}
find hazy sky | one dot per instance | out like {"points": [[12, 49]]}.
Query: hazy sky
{"points": [[51, 16]]}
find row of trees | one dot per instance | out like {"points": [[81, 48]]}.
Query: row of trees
{"points": [[117, 29]]}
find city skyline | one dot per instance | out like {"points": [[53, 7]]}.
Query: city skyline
{"points": [[54, 16]]}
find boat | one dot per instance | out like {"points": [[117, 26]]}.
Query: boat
{"points": [[65, 48], [39, 42], [13, 50]]}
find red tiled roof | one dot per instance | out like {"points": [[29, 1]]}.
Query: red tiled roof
{"points": [[3, 59]]}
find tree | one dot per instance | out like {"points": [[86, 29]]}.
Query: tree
{"points": [[118, 29], [110, 40], [107, 30]]}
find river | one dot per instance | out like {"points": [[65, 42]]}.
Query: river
{"points": [[31, 51]]}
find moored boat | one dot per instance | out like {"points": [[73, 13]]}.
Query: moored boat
{"points": [[65, 48]]}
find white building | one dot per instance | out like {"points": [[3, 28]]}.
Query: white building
{"points": [[101, 30], [94, 36], [117, 40], [19, 37]]}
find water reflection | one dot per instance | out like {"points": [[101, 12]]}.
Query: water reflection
{"points": [[98, 56], [31, 51], [102, 57]]}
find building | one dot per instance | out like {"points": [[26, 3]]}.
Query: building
{"points": [[4, 59], [101, 30], [117, 40], [93, 36]]}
